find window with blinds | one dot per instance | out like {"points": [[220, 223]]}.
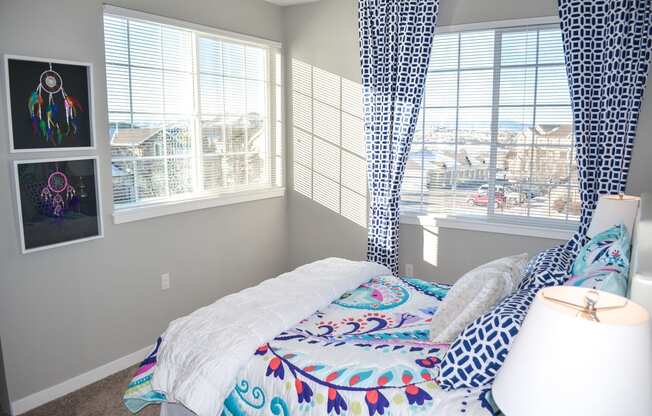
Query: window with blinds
{"points": [[191, 114], [494, 138]]}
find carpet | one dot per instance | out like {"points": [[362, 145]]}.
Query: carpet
{"points": [[103, 398]]}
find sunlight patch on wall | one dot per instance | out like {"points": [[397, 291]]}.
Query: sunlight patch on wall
{"points": [[329, 153], [327, 87], [431, 245], [303, 180], [351, 125], [357, 180], [326, 159]]}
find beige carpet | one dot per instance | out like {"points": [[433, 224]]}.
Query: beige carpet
{"points": [[103, 398]]}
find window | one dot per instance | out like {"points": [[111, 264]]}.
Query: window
{"points": [[191, 114], [495, 137]]}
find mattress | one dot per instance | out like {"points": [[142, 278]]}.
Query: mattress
{"points": [[367, 353]]}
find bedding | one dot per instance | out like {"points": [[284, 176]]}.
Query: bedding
{"points": [[201, 354], [603, 263], [475, 357], [366, 353], [474, 294]]}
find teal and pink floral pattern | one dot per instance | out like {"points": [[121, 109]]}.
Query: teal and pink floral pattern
{"points": [[603, 263], [368, 354]]}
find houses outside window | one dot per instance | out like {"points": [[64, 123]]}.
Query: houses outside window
{"points": [[494, 140]]}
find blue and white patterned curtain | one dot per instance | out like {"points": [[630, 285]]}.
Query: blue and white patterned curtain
{"points": [[395, 42], [607, 45]]}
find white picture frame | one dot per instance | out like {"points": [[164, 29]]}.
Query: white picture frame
{"points": [[91, 104], [98, 201]]}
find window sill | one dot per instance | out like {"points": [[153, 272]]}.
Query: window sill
{"points": [[124, 215], [470, 224]]}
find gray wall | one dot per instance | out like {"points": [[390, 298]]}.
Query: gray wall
{"points": [[5, 405], [324, 35], [68, 310]]}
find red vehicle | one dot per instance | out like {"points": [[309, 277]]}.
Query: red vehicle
{"points": [[481, 199]]}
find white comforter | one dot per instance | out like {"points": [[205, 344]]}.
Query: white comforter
{"points": [[202, 353]]}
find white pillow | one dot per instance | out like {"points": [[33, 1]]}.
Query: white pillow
{"points": [[474, 294], [516, 264]]}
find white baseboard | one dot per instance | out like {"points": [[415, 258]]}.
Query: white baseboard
{"points": [[39, 398]]}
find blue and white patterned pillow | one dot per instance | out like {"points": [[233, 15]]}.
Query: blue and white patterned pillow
{"points": [[475, 357], [549, 268]]}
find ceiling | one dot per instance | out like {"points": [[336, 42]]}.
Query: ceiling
{"points": [[290, 2]]}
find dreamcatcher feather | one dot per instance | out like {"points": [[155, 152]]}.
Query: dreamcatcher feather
{"points": [[45, 116]]}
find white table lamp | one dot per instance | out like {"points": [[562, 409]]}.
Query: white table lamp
{"points": [[613, 210], [579, 352]]}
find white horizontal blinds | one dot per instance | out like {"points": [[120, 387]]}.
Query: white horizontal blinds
{"points": [[187, 112], [150, 96], [451, 151], [235, 124], [494, 135], [535, 136]]}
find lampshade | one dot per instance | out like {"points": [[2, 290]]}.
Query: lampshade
{"points": [[562, 363], [613, 210]]}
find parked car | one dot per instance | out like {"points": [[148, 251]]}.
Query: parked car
{"points": [[481, 199], [515, 198]]}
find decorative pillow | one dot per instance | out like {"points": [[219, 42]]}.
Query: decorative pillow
{"points": [[603, 263], [478, 353], [474, 294], [548, 268], [518, 265]]}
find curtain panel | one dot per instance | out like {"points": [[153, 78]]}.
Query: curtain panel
{"points": [[395, 43], [607, 47]]}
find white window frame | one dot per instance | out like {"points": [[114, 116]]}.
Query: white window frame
{"points": [[540, 228], [172, 206]]}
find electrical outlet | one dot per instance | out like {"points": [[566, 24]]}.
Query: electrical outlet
{"points": [[409, 270], [165, 281]]}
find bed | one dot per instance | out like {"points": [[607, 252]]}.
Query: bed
{"points": [[367, 352], [366, 349]]}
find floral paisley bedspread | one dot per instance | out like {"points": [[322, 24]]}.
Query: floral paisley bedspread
{"points": [[367, 353]]}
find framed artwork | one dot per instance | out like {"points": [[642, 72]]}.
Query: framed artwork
{"points": [[50, 104], [58, 202]]}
